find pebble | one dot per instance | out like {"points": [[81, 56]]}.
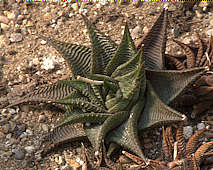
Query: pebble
{"points": [[41, 118], [198, 14], [19, 155], [209, 32], [136, 32], [29, 132], [11, 16], [12, 111], [48, 63], [200, 126], [16, 37], [145, 30], [4, 19], [75, 6], [187, 131], [186, 40], [44, 127], [16, 117], [43, 42], [5, 27], [29, 149]]}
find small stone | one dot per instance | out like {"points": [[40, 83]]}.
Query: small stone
{"points": [[145, 30], [210, 32], [85, 31], [200, 126], [24, 22], [43, 42], [16, 37], [41, 118], [29, 132], [12, 111], [16, 117], [11, 16], [44, 127], [136, 32], [5, 27], [19, 155], [4, 19], [29, 149], [187, 40], [187, 131], [198, 14], [75, 6], [48, 63]]}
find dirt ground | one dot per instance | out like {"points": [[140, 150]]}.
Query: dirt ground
{"points": [[27, 62]]}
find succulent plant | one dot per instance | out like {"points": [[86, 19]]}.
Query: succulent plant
{"points": [[116, 91]]}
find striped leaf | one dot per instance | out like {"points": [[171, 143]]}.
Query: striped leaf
{"points": [[125, 51], [78, 57], [103, 48]]}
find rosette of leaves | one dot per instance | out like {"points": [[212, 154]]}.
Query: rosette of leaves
{"points": [[197, 56], [116, 90]]}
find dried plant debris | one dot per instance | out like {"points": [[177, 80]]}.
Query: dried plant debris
{"points": [[180, 154], [197, 56], [116, 91]]}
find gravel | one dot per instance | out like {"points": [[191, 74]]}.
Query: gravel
{"points": [[18, 154], [33, 63]]}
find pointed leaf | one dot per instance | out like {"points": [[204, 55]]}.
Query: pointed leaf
{"points": [[85, 117], [125, 51], [169, 84], [45, 94], [126, 135], [103, 48], [154, 43], [134, 82], [78, 57], [110, 123], [156, 112]]}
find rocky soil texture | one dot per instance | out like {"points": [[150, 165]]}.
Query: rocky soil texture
{"points": [[27, 62]]}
